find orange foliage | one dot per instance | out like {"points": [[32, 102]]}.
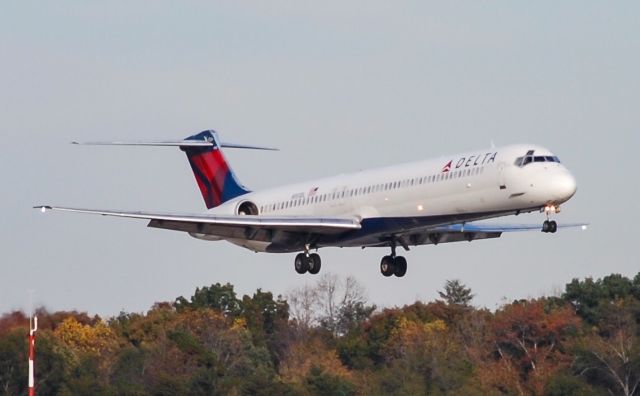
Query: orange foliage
{"points": [[529, 338], [307, 353]]}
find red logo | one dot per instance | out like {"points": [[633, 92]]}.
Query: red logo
{"points": [[447, 167]]}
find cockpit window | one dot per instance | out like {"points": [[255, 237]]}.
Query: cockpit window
{"points": [[529, 158]]}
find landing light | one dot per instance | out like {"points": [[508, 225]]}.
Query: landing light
{"points": [[552, 209], [420, 207], [584, 227], [43, 209]]}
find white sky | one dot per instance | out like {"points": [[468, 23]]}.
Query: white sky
{"points": [[338, 87]]}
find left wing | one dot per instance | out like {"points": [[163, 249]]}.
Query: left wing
{"points": [[258, 228]]}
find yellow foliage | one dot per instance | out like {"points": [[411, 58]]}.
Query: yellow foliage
{"points": [[239, 323], [411, 337], [85, 338]]}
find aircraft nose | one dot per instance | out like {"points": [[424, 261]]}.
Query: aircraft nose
{"points": [[564, 186]]}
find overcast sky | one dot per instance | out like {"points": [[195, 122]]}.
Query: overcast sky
{"points": [[338, 86]]}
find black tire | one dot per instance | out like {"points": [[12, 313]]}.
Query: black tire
{"points": [[301, 263], [400, 266], [386, 266], [546, 226], [553, 227], [314, 263]]}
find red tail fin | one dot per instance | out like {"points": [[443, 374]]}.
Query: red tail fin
{"points": [[215, 178]]}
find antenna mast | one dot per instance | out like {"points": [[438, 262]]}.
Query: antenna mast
{"points": [[33, 327]]}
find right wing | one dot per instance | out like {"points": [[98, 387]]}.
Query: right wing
{"points": [[257, 228], [472, 227]]}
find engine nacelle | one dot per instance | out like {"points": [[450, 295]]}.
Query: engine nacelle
{"points": [[204, 237], [247, 208]]}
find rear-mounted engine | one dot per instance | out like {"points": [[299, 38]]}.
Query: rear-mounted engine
{"points": [[247, 208]]}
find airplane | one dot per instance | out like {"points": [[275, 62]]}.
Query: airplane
{"points": [[419, 203]]}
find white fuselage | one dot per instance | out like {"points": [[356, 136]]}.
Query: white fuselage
{"points": [[478, 182]]}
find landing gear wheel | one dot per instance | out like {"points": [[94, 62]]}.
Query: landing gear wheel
{"points": [[386, 266], [400, 266], [314, 263], [301, 263], [549, 226], [545, 226]]}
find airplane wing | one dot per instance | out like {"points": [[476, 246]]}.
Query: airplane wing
{"points": [[464, 232], [487, 227], [258, 228]]}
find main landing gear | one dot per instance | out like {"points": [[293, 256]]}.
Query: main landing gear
{"points": [[305, 262], [393, 265]]}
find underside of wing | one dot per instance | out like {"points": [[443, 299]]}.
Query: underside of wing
{"points": [[487, 227], [460, 232]]}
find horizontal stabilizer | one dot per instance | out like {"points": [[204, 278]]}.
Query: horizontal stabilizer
{"points": [[176, 143]]}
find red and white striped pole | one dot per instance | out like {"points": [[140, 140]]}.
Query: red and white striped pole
{"points": [[32, 353]]}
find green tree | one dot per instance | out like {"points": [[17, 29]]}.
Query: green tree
{"points": [[565, 384], [589, 296], [220, 297], [456, 293], [268, 322], [609, 354], [323, 383], [13, 361], [127, 377]]}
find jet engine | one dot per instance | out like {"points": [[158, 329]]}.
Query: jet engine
{"points": [[247, 208]]}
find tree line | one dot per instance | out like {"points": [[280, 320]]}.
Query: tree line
{"points": [[327, 339]]}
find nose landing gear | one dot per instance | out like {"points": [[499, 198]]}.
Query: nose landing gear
{"points": [[550, 225]]}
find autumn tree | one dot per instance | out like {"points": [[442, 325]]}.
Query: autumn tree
{"points": [[530, 337]]}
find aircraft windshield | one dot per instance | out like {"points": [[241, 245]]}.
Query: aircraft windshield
{"points": [[529, 158]]}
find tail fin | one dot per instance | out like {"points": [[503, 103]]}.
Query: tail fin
{"points": [[215, 178]]}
